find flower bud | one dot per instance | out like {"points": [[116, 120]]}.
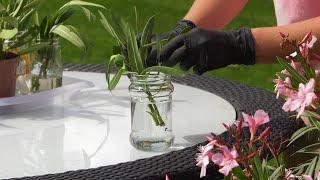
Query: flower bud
{"points": [[265, 133]]}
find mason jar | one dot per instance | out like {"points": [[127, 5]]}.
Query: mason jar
{"points": [[151, 111], [47, 67]]}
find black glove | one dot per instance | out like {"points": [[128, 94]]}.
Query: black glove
{"points": [[207, 50], [180, 27]]}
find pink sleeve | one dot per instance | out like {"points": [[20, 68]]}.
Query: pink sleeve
{"points": [[291, 11]]}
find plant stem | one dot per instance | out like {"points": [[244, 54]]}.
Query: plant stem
{"points": [[154, 111]]}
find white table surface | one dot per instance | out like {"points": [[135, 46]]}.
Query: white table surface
{"points": [[92, 128]]}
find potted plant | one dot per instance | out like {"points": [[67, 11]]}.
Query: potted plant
{"points": [[47, 66], [15, 14], [151, 88]]}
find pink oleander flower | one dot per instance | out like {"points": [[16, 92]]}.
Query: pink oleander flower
{"points": [[307, 177], [289, 175], [203, 158], [227, 160], [306, 45], [283, 87], [254, 122], [299, 101], [167, 177]]}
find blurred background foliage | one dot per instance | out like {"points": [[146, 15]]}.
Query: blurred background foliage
{"points": [[168, 12]]}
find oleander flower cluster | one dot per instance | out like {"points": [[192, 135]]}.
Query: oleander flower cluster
{"points": [[299, 82], [228, 156]]}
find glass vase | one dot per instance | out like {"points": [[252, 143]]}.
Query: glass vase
{"points": [[47, 67], [151, 112]]}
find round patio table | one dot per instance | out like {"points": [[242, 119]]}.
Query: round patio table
{"points": [[61, 139]]}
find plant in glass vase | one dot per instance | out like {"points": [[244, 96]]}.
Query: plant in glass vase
{"points": [[150, 88], [14, 35], [47, 65]]}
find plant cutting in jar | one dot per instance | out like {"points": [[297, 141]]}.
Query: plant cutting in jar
{"points": [[130, 54], [52, 27], [14, 35]]}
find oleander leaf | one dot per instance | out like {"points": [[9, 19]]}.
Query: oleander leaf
{"points": [[115, 79], [294, 74], [311, 149], [77, 3], [69, 34], [146, 38], [117, 59], [8, 33], [107, 25], [135, 60], [300, 133]]}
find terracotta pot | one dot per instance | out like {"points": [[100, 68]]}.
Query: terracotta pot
{"points": [[8, 69]]}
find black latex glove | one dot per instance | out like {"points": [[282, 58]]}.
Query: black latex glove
{"points": [[207, 50], [179, 28]]}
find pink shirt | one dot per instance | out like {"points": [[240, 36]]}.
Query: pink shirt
{"points": [[291, 11]]}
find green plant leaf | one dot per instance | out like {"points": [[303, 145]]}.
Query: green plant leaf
{"points": [[295, 75], [107, 25], [166, 70], [133, 52], [115, 80], [146, 38], [300, 133], [311, 149], [77, 3], [311, 167], [8, 33], [276, 174], [69, 34], [238, 172], [114, 59]]}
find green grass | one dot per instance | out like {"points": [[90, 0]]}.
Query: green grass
{"points": [[168, 12]]}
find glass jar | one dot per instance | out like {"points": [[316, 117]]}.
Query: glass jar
{"points": [[47, 67], [151, 112]]}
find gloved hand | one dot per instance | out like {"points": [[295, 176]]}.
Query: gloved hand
{"points": [[180, 27], [207, 50]]}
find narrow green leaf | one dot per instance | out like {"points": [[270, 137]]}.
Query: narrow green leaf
{"points": [[33, 48], [8, 33], [115, 80], [311, 149], [146, 38], [107, 25], [114, 60], [79, 3], [276, 174], [300, 133], [311, 167], [133, 52], [68, 34], [295, 75]]}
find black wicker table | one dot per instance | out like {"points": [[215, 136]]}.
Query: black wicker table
{"points": [[181, 164]]}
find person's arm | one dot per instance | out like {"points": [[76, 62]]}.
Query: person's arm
{"points": [[267, 40], [214, 14]]}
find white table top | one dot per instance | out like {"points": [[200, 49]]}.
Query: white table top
{"points": [[92, 128]]}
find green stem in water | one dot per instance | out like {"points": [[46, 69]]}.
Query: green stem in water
{"points": [[154, 111]]}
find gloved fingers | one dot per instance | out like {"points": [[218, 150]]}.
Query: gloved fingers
{"points": [[171, 47], [176, 57], [187, 62], [152, 59]]}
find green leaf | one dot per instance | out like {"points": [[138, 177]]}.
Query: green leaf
{"points": [[107, 25], [68, 34], [146, 38], [295, 75], [8, 33], [276, 174], [311, 149], [311, 167], [114, 59], [76, 3], [133, 52], [238, 172], [115, 80], [300, 133], [166, 70]]}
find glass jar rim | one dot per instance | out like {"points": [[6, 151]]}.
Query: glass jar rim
{"points": [[149, 77]]}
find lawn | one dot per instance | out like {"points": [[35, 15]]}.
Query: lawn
{"points": [[256, 14]]}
